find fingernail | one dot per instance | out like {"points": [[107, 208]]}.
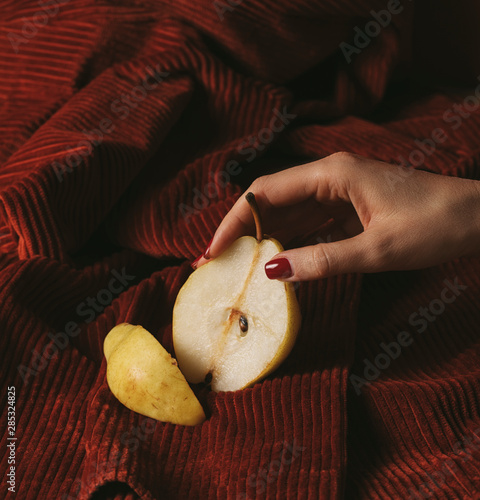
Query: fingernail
{"points": [[206, 254], [195, 262], [278, 269]]}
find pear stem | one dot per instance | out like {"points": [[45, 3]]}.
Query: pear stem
{"points": [[250, 197]]}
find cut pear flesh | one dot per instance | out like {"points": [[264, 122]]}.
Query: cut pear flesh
{"points": [[231, 321]]}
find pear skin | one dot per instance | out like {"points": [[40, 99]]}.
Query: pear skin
{"points": [[146, 379]]}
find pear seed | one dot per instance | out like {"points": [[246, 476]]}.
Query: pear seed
{"points": [[243, 325]]}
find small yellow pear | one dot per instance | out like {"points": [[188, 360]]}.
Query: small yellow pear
{"points": [[146, 379]]}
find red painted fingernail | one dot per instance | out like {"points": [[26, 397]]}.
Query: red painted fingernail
{"points": [[278, 268], [206, 254], [195, 262]]}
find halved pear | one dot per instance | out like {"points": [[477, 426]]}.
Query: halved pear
{"points": [[146, 379], [231, 324]]}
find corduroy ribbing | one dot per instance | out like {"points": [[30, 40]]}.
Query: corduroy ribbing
{"points": [[119, 126]]}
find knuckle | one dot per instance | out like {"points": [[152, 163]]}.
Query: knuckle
{"points": [[258, 184], [322, 262], [344, 163], [344, 157]]}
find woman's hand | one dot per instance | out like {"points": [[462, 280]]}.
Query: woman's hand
{"points": [[366, 215]]}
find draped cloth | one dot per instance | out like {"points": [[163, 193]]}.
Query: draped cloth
{"points": [[128, 131]]}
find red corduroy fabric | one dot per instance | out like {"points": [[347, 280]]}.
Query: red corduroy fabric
{"points": [[113, 119]]}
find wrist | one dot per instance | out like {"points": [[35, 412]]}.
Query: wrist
{"points": [[472, 218]]}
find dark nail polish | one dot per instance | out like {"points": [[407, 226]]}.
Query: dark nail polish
{"points": [[195, 262], [206, 254], [278, 269]]}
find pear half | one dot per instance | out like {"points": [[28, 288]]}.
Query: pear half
{"points": [[146, 379], [231, 324]]}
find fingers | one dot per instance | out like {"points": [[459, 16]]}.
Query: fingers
{"points": [[353, 255], [273, 191], [325, 181], [284, 189]]}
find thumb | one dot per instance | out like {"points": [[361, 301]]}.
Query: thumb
{"points": [[352, 255]]}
